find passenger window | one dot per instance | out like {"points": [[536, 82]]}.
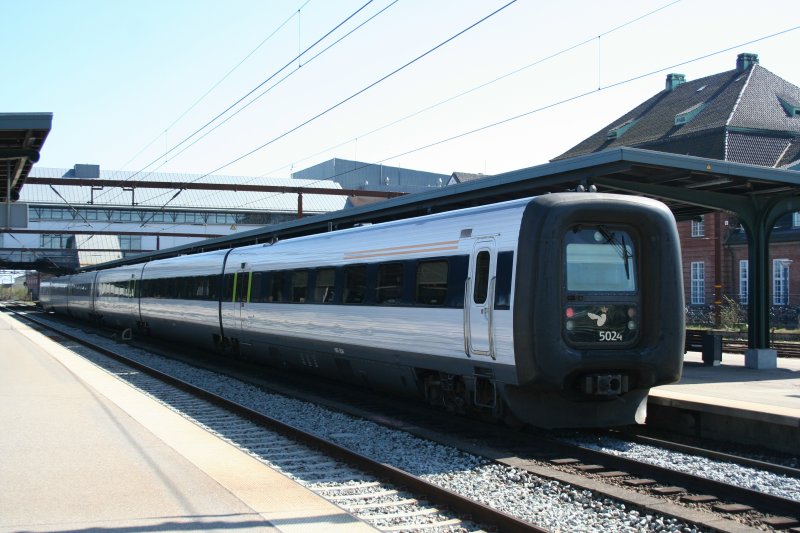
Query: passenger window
{"points": [[256, 287], [213, 287], [390, 283], [481, 285], [323, 292], [299, 285], [276, 291], [227, 293], [431, 286], [355, 284]]}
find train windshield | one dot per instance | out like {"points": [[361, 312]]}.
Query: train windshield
{"points": [[600, 259]]}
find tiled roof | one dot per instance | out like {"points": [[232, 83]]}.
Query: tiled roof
{"points": [[755, 149], [740, 118]]}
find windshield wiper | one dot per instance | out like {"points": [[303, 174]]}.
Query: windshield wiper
{"points": [[621, 249]]}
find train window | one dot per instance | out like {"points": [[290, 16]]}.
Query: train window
{"points": [[227, 289], [323, 290], [299, 285], [390, 283], [180, 289], [502, 293], [431, 282], [482, 263], [355, 284], [600, 259], [257, 280], [276, 287], [201, 288]]}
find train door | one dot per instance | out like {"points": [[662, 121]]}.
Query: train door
{"points": [[479, 299], [241, 297]]}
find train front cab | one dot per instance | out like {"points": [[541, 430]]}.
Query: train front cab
{"points": [[598, 316]]}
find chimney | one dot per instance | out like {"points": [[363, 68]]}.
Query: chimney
{"points": [[745, 61], [673, 80]]}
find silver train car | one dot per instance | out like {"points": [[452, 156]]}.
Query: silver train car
{"points": [[561, 310]]}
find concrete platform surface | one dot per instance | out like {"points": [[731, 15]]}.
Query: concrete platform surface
{"points": [[765, 394], [82, 451]]}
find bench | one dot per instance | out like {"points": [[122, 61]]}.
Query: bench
{"points": [[705, 341]]}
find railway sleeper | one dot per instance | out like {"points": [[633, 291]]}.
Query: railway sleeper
{"points": [[383, 505], [417, 527], [363, 496], [409, 514]]}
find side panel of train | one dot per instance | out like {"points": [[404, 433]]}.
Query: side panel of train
{"points": [[382, 306], [179, 298], [117, 296], [80, 296]]}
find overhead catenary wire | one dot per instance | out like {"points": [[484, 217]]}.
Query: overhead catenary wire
{"points": [[309, 48], [295, 13], [555, 104], [254, 89], [577, 96], [287, 76], [359, 92], [475, 88]]}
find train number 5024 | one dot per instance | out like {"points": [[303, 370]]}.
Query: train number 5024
{"points": [[610, 336]]}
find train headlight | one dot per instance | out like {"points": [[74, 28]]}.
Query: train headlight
{"points": [[632, 325], [570, 325]]}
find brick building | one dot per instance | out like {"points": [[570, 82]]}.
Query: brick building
{"points": [[745, 115]]}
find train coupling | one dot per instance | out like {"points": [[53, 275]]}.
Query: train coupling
{"points": [[605, 384]]}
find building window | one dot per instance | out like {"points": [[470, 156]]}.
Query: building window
{"points": [[743, 282], [698, 283], [699, 227], [53, 240], [130, 242], [780, 281], [796, 220]]}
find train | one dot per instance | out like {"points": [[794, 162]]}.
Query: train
{"points": [[556, 311]]}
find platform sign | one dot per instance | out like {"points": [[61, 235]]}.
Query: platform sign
{"points": [[16, 217]]}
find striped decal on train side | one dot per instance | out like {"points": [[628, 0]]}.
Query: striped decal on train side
{"points": [[403, 250]]}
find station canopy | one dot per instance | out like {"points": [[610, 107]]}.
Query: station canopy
{"points": [[690, 186], [22, 136]]}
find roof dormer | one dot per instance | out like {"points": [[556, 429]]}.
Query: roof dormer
{"points": [[686, 116], [617, 131], [790, 105]]}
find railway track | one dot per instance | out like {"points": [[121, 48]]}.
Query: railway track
{"points": [[384, 496], [645, 487], [784, 348]]}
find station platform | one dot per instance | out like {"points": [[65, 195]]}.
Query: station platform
{"points": [[82, 451], [732, 403]]}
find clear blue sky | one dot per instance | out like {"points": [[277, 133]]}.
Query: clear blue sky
{"points": [[117, 74]]}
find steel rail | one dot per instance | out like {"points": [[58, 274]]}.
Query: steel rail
{"points": [[758, 500]]}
